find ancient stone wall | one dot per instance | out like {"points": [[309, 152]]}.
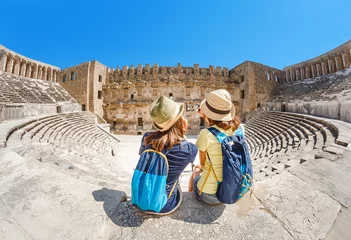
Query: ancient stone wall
{"points": [[129, 93], [84, 82], [257, 81], [330, 62], [20, 65]]}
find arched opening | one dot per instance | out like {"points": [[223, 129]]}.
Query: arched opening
{"points": [[268, 76]]}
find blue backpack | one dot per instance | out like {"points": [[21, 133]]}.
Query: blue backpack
{"points": [[237, 167], [149, 191]]}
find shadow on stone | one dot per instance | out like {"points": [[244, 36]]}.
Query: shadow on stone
{"points": [[118, 209], [122, 213], [193, 211]]}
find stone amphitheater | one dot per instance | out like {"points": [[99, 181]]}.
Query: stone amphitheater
{"points": [[65, 175]]}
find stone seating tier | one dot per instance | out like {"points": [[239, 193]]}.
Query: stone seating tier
{"points": [[17, 89], [336, 85], [279, 140]]}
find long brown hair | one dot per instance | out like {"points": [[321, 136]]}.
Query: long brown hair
{"points": [[232, 124], [173, 136]]}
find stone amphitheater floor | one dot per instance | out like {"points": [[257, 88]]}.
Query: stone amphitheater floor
{"points": [[89, 200]]}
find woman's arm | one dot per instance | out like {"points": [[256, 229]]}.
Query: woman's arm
{"points": [[202, 158]]}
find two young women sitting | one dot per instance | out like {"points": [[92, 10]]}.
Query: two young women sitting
{"points": [[165, 153]]}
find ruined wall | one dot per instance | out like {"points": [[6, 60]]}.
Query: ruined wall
{"points": [[84, 82], [78, 86], [257, 82], [330, 62], [129, 93], [97, 77]]}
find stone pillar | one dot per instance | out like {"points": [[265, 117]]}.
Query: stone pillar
{"points": [[35, 71], [319, 70], [345, 59], [338, 63], [324, 68], [331, 66], [292, 77], [29, 70], [54, 78], [302, 72], [287, 75], [50, 75], [307, 72], [297, 72], [3, 61], [16, 69], [23, 69], [44, 73], [313, 70], [40, 72]]}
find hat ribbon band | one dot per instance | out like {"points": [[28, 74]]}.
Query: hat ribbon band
{"points": [[216, 110]]}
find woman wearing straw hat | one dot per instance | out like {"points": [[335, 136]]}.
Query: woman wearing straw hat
{"points": [[219, 112], [170, 140]]}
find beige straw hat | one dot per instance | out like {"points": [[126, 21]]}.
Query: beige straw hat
{"points": [[165, 113], [218, 106]]}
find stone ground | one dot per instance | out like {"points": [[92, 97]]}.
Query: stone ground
{"points": [[43, 201]]}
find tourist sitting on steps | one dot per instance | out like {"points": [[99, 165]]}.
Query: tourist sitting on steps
{"points": [[164, 154], [219, 112]]}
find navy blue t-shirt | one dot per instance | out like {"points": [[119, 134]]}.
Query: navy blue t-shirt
{"points": [[179, 156]]}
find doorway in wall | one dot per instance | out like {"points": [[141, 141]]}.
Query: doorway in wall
{"points": [[59, 109]]}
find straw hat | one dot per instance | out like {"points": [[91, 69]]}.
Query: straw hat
{"points": [[218, 106], [165, 113]]}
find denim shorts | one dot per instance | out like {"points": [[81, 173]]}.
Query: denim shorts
{"points": [[204, 197]]}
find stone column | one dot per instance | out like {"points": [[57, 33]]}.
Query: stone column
{"points": [[35, 71], [292, 78], [287, 75], [54, 75], [50, 75], [44, 73], [3, 63], [319, 70], [330, 66], [346, 60], [9, 66], [23, 69], [16, 70], [297, 72], [307, 72], [338, 63], [40, 72], [313, 70], [324, 68], [302, 73], [29, 70]]}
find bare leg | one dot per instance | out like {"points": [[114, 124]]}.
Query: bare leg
{"points": [[196, 173]]}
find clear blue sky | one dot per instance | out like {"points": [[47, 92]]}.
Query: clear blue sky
{"points": [[221, 33]]}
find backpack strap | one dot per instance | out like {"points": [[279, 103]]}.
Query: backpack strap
{"points": [[174, 185], [218, 134], [208, 174]]}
